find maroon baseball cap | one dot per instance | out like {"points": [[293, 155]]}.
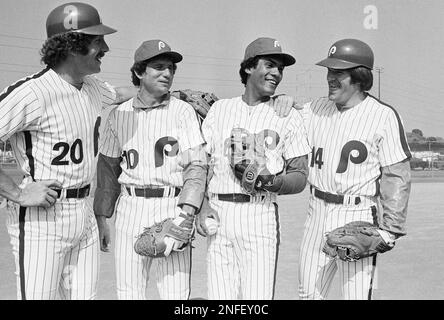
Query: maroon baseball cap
{"points": [[153, 48], [267, 46], [76, 17]]}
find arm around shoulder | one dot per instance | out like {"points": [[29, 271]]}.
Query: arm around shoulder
{"points": [[125, 93]]}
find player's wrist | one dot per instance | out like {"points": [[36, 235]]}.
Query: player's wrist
{"points": [[270, 183], [100, 218], [18, 196], [387, 236], [188, 209], [277, 183]]}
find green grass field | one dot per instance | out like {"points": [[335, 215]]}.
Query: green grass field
{"points": [[412, 270]]}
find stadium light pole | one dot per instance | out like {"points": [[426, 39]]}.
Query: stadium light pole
{"points": [[379, 71], [3, 154]]}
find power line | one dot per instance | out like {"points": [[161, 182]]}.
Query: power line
{"points": [[128, 74], [409, 92], [18, 47], [238, 60], [299, 84], [437, 106], [416, 84], [20, 37], [20, 65]]}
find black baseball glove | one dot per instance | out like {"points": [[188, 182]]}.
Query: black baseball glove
{"points": [[201, 101], [154, 242], [248, 161], [354, 241]]}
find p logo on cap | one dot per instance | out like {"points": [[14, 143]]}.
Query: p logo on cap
{"points": [[348, 53], [332, 51], [153, 48], [267, 46]]}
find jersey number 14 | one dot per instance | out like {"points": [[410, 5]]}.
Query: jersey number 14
{"points": [[354, 150]]}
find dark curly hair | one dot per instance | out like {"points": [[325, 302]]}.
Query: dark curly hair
{"points": [[56, 48], [139, 68], [247, 64], [363, 76]]}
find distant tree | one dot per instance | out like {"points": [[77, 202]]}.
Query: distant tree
{"points": [[416, 163], [417, 132], [431, 139]]}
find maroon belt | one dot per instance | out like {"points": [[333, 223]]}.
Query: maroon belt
{"points": [[330, 197], [151, 192], [75, 193]]}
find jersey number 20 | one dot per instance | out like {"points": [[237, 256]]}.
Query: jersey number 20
{"points": [[75, 150]]}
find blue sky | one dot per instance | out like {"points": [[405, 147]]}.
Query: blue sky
{"points": [[212, 36]]}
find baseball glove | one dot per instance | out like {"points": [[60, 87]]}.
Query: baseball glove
{"points": [[201, 101], [354, 241], [248, 161], [151, 242]]}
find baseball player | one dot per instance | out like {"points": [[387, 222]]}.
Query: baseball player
{"points": [[242, 254], [153, 145], [359, 157], [52, 120]]}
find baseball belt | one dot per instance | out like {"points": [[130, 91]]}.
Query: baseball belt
{"points": [[154, 192], [335, 198], [74, 193], [239, 197]]}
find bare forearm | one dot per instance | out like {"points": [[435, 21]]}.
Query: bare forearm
{"points": [[35, 194]]}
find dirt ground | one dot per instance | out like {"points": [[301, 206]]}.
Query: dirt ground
{"points": [[411, 271]]}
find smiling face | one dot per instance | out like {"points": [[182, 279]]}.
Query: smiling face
{"points": [[266, 76], [90, 62], [158, 76], [340, 88]]}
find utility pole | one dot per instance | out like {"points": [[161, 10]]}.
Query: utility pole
{"points": [[379, 71]]}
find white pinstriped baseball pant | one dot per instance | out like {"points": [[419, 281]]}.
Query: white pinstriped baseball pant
{"points": [[317, 270], [56, 250], [242, 255], [133, 214]]}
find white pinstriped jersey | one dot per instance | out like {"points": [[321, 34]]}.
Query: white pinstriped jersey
{"points": [[151, 152], [285, 138], [51, 126], [350, 146]]}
